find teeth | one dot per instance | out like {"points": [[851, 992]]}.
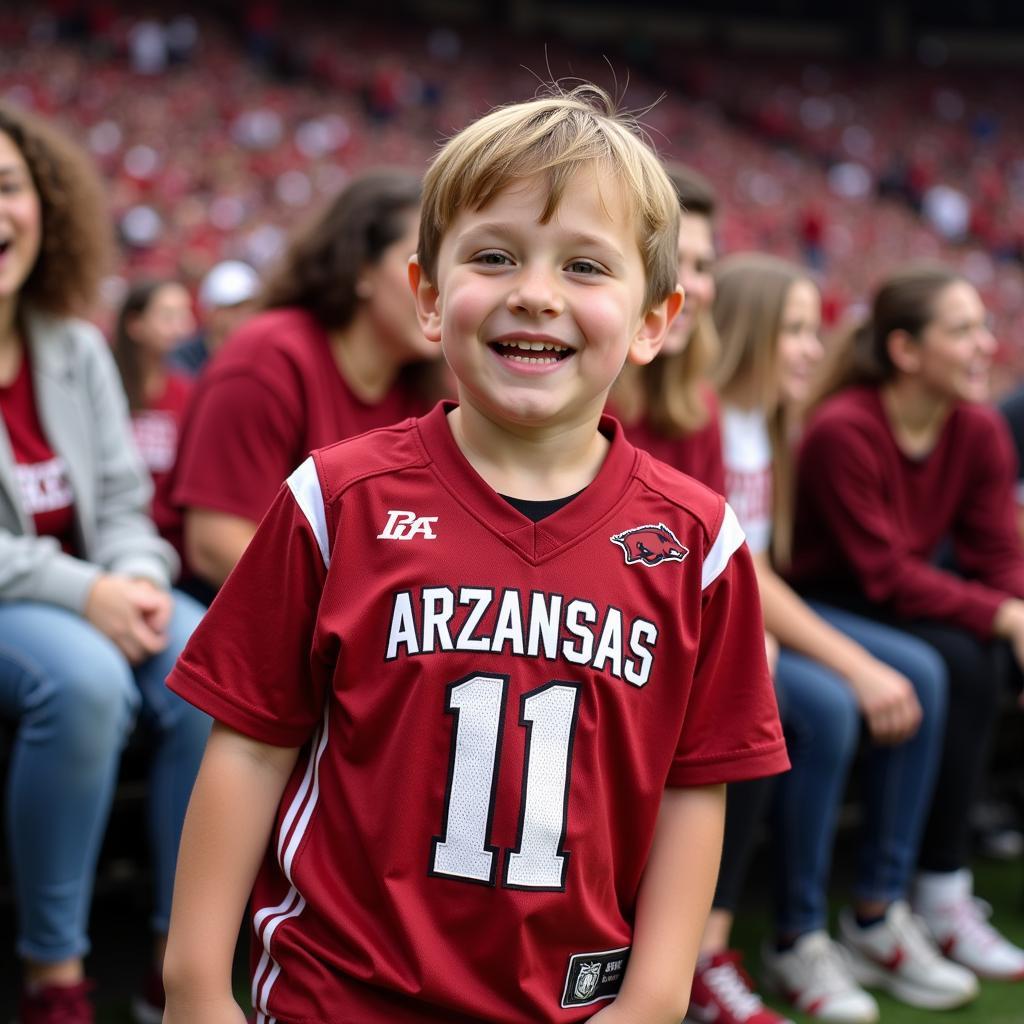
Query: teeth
{"points": [[535, 346], [529, 359]]}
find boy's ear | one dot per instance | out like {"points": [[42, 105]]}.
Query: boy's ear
{"points": [[425, 295], [654, 326]]}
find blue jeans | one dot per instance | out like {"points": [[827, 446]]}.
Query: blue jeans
{"points": [[74, 697], [822, 723]]}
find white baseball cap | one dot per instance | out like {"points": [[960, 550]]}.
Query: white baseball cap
{"points": [[228, 284]]}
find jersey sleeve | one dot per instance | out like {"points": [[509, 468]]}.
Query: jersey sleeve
{"points": [[240, 442], [253, 662], [731, 730], [840, 469]]}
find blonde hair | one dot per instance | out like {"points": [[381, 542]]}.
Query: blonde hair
{"points": [[556, 136], [750, 297]]}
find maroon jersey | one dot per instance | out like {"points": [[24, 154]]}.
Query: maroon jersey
{"points": [[490, 709], [871, 517], [697, 452], [156, 430], [43, 481]]}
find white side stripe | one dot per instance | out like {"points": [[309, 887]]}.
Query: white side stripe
{"points": [[305, 486], [267, 920], [730, 537]]}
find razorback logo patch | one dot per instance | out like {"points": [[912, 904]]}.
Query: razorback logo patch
{"points": [[650, 545]]}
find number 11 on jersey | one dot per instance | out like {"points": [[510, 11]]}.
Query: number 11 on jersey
{"points": [[462, 851]]}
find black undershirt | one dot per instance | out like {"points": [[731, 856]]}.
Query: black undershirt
{"points": [[538, 510]]}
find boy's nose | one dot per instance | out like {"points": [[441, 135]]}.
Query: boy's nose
{"points": [[536, 294]]}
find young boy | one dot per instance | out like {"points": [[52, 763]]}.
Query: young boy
{"points": [[480, 677]]}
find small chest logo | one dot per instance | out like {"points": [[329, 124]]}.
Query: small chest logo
{"points": [[407, 525], [650, 545]]}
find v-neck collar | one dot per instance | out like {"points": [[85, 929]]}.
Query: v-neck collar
{"points": [[536, 542]]}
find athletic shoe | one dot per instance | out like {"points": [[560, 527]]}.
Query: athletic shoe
{"points": [[723, 993], [148, 1005], [815, 977], [958, 921], [898, 955], [57, 1004]]}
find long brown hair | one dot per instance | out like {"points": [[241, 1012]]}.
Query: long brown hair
{"points": [[125, 347], [320, 269], [321, 266], [671, 384], [750, 298], [904, 301], [77, 237]]}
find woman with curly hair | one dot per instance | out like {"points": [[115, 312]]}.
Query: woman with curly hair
{"points": [[337, 350], [89, 626]]}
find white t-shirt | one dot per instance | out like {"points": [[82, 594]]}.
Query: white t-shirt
{"points": [[747, 453]]}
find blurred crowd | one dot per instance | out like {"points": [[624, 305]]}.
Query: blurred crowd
{"points": [[215, 140]]}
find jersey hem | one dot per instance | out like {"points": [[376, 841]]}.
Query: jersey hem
{"points": [[733, 767]]}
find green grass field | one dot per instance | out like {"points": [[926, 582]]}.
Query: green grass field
{"points": [[1001, 884]]}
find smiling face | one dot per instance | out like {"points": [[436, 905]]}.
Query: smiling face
{"points": [[696, 257], [955, 350], [800, 348], [20, 221], [536, 319]]}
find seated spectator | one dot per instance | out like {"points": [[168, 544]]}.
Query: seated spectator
{"points": [[901, 457], [154, 316], [833, 670], [226, 297], [667, 407], [336, 351], [89, 627]]}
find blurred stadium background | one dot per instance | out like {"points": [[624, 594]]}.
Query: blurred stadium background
{"points": [[846, 135]]}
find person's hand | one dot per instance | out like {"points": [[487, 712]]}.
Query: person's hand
{"points": [[156, 605], [1009, 624], [887, 700], [132, 613], [617, 1012]]}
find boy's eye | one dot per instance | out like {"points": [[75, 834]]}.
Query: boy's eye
{"points": [[584, 267], [492, 259]]}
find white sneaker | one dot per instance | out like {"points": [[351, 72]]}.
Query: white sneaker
{"points": [[898, 955], [815, 977], [958, 921]]}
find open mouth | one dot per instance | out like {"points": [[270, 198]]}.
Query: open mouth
{"points": [[5, 244], [535, 352]]}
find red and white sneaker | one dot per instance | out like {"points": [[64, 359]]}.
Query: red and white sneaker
{"points": [[958, 921], [57, 1004], [898, 955], [815, 977], [723, 993]]}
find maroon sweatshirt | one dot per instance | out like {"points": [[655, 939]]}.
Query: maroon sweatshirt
{"points": [[871, 517]]}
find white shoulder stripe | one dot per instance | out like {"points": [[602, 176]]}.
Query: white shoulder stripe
{"points": [[305, 486], [730, 537]]}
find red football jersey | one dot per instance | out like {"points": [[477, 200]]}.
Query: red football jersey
{"points": [[490, 709]]}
